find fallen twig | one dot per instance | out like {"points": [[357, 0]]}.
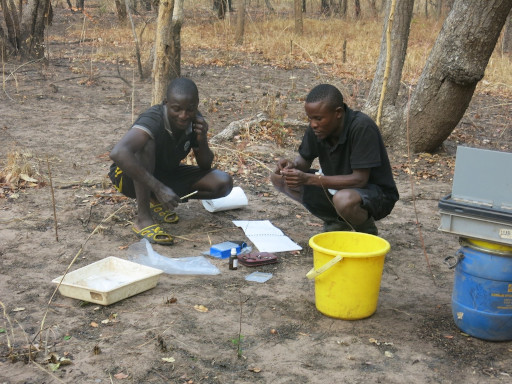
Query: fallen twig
{"points": [[53, 200]]}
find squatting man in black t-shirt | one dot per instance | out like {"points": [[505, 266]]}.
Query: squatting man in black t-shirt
{"points": [[355, 185], [147, 161]]}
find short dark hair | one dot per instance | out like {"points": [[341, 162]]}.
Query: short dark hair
{"points": [[182, 85], [326, 92]]}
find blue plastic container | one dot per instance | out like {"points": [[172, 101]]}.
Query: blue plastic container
{"points": [[482, 293]]}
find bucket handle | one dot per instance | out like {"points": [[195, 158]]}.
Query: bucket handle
{"points": [[317, 272], [458, 258]]}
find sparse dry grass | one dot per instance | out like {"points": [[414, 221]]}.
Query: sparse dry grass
{"points": [[270, 40], [19, 171]]}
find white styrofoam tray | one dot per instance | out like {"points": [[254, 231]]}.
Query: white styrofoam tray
{"points": [[108, 281]]}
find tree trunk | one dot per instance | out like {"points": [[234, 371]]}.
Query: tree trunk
{"points": [[269, 6], [177, 22], [344, 6], [298, 16], [400, 28], [507, 35], [121, 11], [455, 66], [10, 15], [357, 9], [240, 23], [163, 48], [33, 22]]}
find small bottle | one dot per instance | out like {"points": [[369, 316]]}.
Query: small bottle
{"points": [[233, 260]]}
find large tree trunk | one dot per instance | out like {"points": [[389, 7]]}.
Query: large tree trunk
{"points": [[34, 22], [400, 28], [455, 66], [24, 27]]}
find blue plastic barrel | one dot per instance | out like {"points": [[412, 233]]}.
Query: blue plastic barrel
{"points": [[482, 292]]}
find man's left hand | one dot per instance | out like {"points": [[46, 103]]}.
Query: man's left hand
{"points": [[294, 178]]}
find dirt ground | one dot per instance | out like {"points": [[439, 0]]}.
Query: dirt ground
{"points": [[68, 122]]}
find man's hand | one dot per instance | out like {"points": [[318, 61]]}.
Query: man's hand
{"points": [[167, 197], [284, 164], [294, 178], [200, 127]]}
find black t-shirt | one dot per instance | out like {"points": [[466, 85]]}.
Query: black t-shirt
{"points": [[359, 146], [169, 151]]}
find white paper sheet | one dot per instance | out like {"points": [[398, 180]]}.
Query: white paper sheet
{"points": [[266, 237]]}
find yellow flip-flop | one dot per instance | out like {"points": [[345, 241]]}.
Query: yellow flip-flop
{"points": [[154, 234], [166, 215]]}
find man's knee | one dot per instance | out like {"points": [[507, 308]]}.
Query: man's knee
{"points": [[278, 182], [346, 199], [224, 183]]}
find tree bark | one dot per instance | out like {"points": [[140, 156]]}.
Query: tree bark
{"points": [[298, 16], [399, 38], [455, 66], [240, 23]]}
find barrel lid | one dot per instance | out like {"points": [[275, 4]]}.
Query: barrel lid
{"points": [[486, 246]]}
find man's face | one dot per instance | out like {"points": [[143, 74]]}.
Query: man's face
{"points": [[181, 110], [324, 120]]}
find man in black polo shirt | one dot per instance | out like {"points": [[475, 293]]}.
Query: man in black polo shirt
{"points": [[147, 161], [355, 185]]}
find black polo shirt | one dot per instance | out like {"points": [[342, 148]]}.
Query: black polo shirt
{"points": [[169, 151], [360, 146]]}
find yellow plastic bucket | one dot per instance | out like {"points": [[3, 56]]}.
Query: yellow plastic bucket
{"points": [[347, 272]]}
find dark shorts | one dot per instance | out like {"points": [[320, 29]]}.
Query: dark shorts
{"points": [[318, 201], [180, 180]]}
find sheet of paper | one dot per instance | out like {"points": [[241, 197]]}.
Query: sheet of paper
{"points": [[266, 237]]}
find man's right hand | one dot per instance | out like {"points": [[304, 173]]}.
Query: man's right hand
{"points": [[167, 197]]}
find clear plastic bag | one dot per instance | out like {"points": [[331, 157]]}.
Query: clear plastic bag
{"points": [[143, 253]]}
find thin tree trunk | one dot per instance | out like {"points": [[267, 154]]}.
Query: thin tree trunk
{"points": [[269, 6], [177, 22], [399, 39], [135, 39], [344, 6], [507, 35], [240, 23], [357, 7], [121, 11], [298, 16], [163, 43]]}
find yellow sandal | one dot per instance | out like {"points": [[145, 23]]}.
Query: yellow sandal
{"points": [[154, 234], [166, 216]]}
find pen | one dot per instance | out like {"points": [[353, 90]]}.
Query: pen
{"points": [[190, 194]]}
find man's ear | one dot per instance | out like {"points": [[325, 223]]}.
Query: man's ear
{"points": [[339, 112]]}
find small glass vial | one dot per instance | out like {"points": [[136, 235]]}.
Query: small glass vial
{"points": [[233, 260]]}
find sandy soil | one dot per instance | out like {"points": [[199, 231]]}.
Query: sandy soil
{"points": [[69, 122]]}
